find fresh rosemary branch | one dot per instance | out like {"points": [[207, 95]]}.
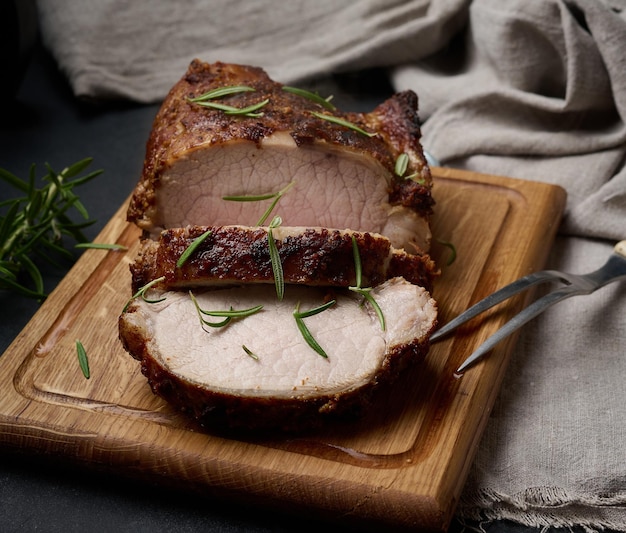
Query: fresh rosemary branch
{"points": [[342, 122], [277, 267], [259, 198], [192, 248], [34, 223], [141, 293], [314, 97], [83, 361], [228, 315], [306, 334], [364, 291]]}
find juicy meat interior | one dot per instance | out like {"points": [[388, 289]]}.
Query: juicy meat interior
{"points": [[214, 358], [338, 177]]}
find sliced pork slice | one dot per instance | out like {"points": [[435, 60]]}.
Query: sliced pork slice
{"points": [[309, 256], [340, 178], [285, 384]]}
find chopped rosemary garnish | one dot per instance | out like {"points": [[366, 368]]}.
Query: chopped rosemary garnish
{"points": [[402, 164], [314, 97], [342, 122], [259, 198], [83, 361], [229, 315], [452, 257], [250, 352], [277, 267], [101, 246], [306, 334], [364, 291], [219, 92], [34, 223], [192, 248], [248, 111], [141, 293]]}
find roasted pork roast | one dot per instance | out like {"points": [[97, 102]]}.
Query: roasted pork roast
{"points": [[247, 324], [341, 178]]}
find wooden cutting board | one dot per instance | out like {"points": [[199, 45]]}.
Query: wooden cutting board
{"points": [[403, 465]]}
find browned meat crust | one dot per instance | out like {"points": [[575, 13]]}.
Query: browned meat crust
{"points": [[309, 256], [181, 126]]}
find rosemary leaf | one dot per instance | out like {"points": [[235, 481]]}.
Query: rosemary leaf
{"points": [[314, 311], [358, 270], [83, 361], [260, 197], [452, 248], [219, 92], [248, 111], [229, 315], [277, 267], [101, 246], [141, 293], [304, 331], [402, 164], [314, 97], [192, 248], [342, 122], [250, 352], [365, 292]]}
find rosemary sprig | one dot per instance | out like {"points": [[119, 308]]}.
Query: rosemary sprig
{"points": [[228, 315], [101, 246], [34, 223], [314, 97], [141, 293], [364, 291], [220, 92], [83, 361], [342, 122], [248, 111], [192, 248], [277, 267], [306, 334], [259, 198]]}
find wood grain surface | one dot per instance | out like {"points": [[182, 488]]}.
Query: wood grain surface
{"points": [[402, 466]]}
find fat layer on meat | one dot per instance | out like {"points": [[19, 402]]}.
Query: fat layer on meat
{"points": [[207, 372], [309, 256], [339, 178]]}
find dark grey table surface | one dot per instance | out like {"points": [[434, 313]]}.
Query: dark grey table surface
{"points": [[46, 124]]}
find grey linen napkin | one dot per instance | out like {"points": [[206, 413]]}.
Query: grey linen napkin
{"points": [[534, 89]]}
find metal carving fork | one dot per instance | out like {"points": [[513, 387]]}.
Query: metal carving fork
{"points": [[613, 270]]}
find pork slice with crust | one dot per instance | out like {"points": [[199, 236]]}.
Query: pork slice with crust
{"points": [[240, 254], [258, 372], [337, 176]]}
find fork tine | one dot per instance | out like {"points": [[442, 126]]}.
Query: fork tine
{"points": [[495, 298], [524, 316]]}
